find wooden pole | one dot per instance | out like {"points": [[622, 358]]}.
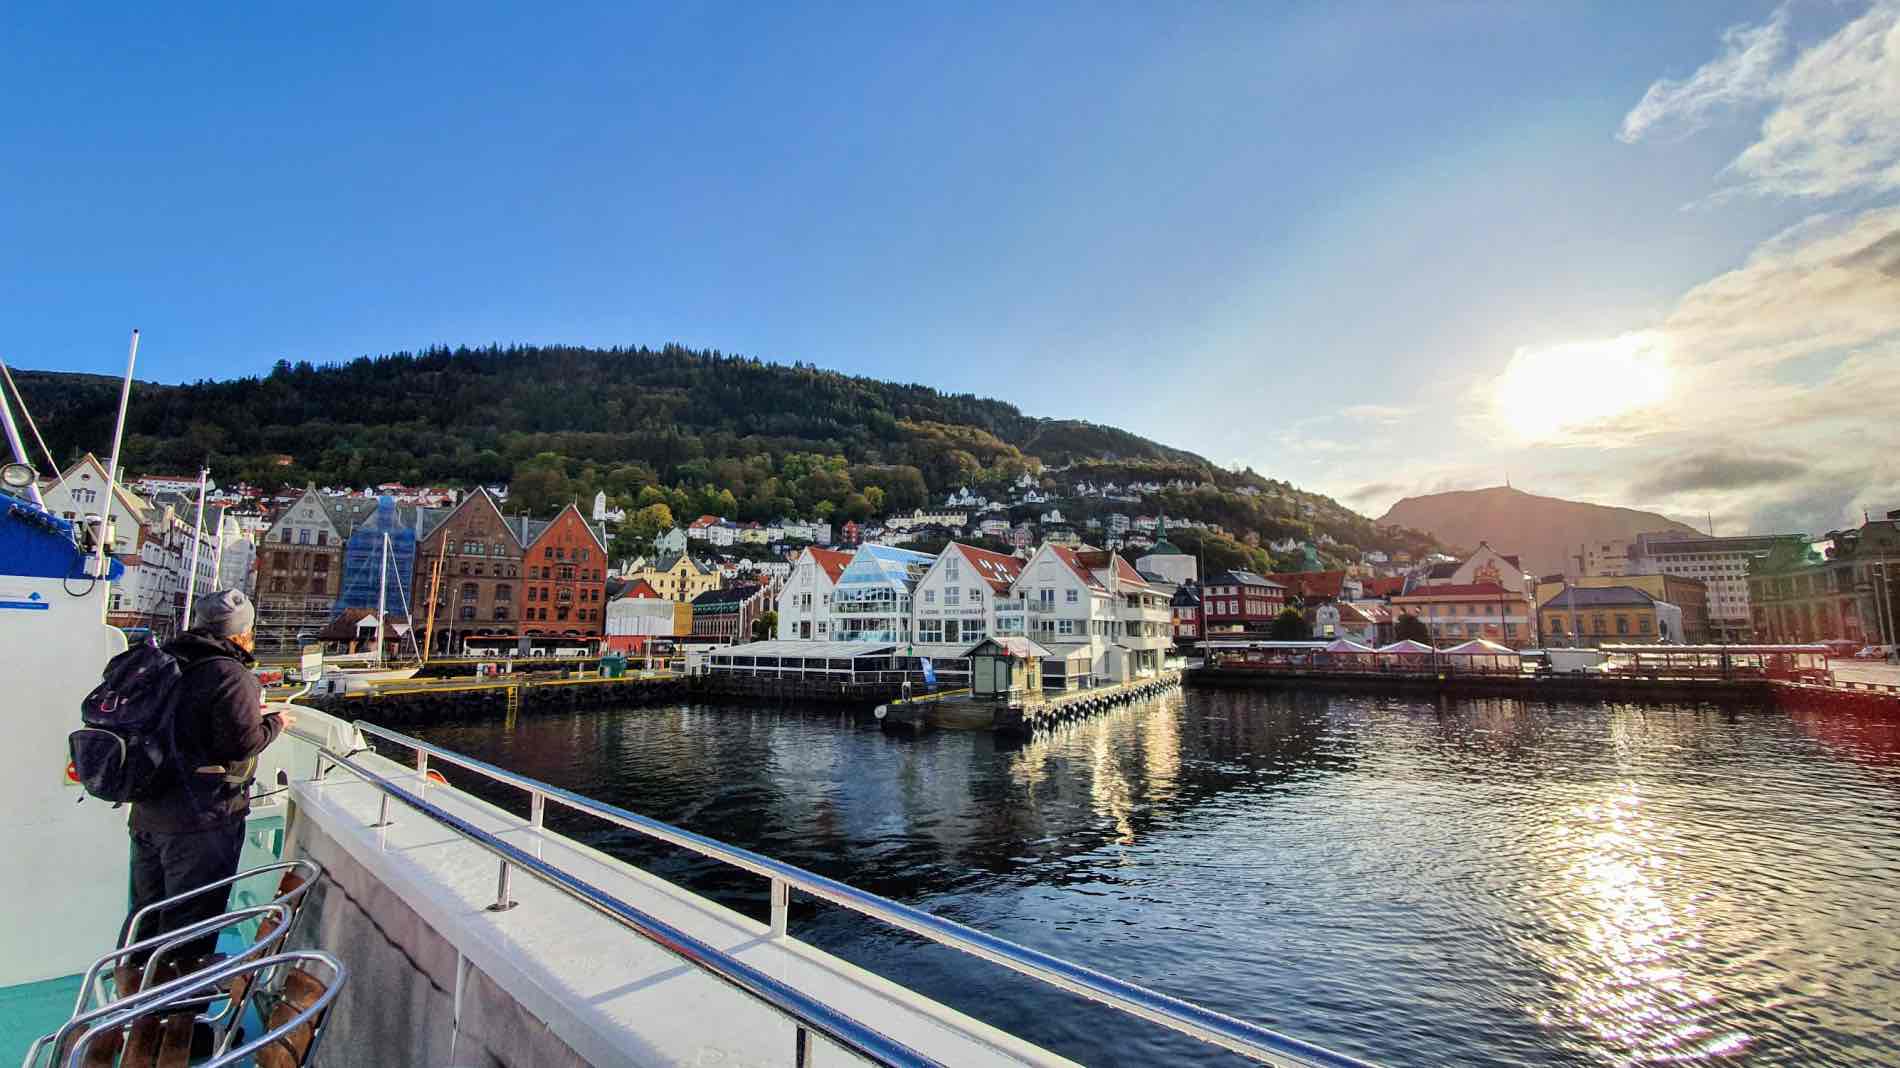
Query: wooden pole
{"points": [[435, 590]]}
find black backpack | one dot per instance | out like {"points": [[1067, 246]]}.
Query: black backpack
{"points": [[127, 750]]}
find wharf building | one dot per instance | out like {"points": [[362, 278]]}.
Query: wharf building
{"points": [[1722, 564], [1688, 596], [1844, 587], [1487, 595], [1595, 615]]}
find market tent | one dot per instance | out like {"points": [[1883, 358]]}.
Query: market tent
{"points": [[1346, 653], [1478, 654], [1406, 646]]}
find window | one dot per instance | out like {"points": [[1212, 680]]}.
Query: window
{"points": [[1622, 624], [323, 537], [469, 591], [1065, 626], [930, 596], [952, 595], [501, 612], [930, 630], [504, 593], [976, 596], [303, 537], [1071, 595]]}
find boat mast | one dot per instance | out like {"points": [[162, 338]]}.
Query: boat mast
{"points": [[382, 600], [112, 471], [435, 590], [197, 540]]}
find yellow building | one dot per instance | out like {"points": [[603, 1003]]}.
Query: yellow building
{"points": [[678, 578], [1594, 615], [1690, 595]]}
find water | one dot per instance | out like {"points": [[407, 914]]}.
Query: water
{"points": [[1482, 882]]}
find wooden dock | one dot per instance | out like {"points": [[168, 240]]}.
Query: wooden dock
{"points": [[503, 698], [1022, 715], [1613, 686]]}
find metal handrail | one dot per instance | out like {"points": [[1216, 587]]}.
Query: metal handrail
{"points": [[1249, 1039], [807, 1012]]}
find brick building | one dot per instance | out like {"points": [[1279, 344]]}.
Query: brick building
{"points": [[476, 551], [565, 582], [1240, 602]]}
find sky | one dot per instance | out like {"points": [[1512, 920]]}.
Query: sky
{"points": [[1644, 255]]}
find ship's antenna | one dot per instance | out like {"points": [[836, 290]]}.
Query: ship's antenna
{"points": [[27, 414], [112, 472]]}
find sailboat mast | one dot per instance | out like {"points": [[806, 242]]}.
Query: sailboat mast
{"points": [[435, 590], [112, 471], [197, 541], [382, 600]]}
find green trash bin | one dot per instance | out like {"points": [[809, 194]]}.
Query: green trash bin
{"points": [[613, 665]]}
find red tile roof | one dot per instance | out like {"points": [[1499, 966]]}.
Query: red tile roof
{"points": [[833, 561], [1383, 587], [1311, 583], [1072, 559], [1000, 570], [1475, 589], [640, 588]]}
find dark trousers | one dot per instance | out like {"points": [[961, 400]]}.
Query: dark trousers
{"points": [[165, 864]]}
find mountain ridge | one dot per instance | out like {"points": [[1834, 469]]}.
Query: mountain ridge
{"points": [[702, 431], [1544, 531]]}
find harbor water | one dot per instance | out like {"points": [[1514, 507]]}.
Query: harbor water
{"points": [[1477, 882]]}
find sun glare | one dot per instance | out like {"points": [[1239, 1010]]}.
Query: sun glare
{"points": [[1547, 393]]}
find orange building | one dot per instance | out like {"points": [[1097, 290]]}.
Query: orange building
{"points": [[565, 580]]}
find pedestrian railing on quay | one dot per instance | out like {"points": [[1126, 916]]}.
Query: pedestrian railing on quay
{"points": [[1248, 1039]]}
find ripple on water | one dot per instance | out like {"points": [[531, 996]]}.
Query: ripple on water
{"points": [[1473, 882]]}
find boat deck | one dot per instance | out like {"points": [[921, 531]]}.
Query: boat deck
{"points": [[608, 995]]}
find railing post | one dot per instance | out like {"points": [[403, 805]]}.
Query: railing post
{"points": [[382, 813], [801, 1048], [781, 907], [502, 904]]}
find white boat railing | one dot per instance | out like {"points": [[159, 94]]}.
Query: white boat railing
{"points": [[1248, 1039]]}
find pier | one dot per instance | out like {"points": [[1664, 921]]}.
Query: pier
{"points": [[418, 701], [1021, 713]]}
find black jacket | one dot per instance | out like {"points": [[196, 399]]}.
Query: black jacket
{"points": [[220, 722]]}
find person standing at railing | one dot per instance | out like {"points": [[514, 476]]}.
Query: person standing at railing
{"points": [[191, 831]]}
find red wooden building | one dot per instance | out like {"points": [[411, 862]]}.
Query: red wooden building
{"points": [[565, 580]]}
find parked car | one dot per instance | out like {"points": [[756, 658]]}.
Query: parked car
{"points": [[1875, 652], [1841, 648]]}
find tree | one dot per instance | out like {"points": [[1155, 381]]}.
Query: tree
{"points": [[1289, 626], [1412, 627], [765, 626]]}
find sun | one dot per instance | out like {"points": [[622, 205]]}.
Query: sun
{"points": [[1550, 394]]}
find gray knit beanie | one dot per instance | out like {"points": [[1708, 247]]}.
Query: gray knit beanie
{"points": [[227, 614]]}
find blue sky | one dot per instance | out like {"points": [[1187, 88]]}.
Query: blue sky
{"points": [[1311, 238]]}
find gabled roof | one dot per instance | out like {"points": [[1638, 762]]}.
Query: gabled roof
{"points": [[1000, 570], [536, 529], [1383, 587], [1472, 589], [831, 561], [1073, 560], [1311, 583], [469, 501], [1445, 570], [732, 595], [1164, 547], [640, 588], [1600, 597]]}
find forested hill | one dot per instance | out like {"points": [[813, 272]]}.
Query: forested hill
{"points": [[560, 422]]}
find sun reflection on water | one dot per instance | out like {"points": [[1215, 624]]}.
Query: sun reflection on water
{"points": [[1624, 935]]}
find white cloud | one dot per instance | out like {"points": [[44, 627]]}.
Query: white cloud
{"points": [[1743, 74], [1830, 129], [1783, 373], [1385, 414]]}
